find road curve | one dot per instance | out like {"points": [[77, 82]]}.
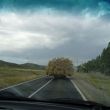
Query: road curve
{"points": [[46, 88]]}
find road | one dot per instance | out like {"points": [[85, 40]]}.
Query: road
{"points": [[46, 88]]}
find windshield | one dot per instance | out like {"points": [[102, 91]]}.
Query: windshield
{"points": [[55, 49]]}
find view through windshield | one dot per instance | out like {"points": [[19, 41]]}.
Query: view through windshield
{"points": [[55, 50]]}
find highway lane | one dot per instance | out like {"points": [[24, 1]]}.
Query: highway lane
{"points": [[25, 89], [46, 88], [58, 88]]}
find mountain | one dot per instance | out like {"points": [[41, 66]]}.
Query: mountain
{"points": [[24, 66], [8, 64], [32, 66]]}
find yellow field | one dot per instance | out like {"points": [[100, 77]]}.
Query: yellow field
{"points": [[10, 76]]}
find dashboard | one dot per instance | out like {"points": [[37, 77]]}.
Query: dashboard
{"points": [[24, 105]]}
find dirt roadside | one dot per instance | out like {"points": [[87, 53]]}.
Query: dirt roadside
{"points": [[91, 92]]}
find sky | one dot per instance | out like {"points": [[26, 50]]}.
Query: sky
{"points": [[39, 30]]}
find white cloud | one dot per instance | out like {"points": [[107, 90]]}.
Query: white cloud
{"points": [[18, 32], [23, 31]]}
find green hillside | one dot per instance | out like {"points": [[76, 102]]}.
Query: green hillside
{"points": [[24, 66]]}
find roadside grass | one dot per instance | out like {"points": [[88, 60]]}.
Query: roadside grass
{"points": [[95, 86], [11, 76], [98, 80]]}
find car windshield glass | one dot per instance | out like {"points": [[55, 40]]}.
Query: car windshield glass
{"points": [[55, 50]]}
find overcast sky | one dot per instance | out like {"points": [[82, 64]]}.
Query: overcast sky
{"points": [[38, 30]]}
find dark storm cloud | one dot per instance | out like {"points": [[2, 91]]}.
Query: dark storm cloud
{"points": [[60, 4], [100, 8], [56, 4]]}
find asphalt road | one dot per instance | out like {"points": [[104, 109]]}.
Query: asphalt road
{"points": [[45, 88]]}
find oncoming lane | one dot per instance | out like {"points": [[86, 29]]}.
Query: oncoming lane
{"points": [[26, 88]]}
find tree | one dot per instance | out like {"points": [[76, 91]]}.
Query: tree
{"points": [[60, 67], [105, 59], [99, 64]]}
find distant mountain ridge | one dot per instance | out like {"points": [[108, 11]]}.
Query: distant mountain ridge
{"points": [[24, 66], [32, 65]]}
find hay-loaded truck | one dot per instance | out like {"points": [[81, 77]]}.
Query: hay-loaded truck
{"points": [[60, 67]]}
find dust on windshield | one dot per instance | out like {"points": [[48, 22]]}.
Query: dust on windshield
{"points": [[55, 49]]}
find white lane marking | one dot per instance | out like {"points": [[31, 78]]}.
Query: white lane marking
{"points": [[77, 88], [39, 88], [21, 83]]}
